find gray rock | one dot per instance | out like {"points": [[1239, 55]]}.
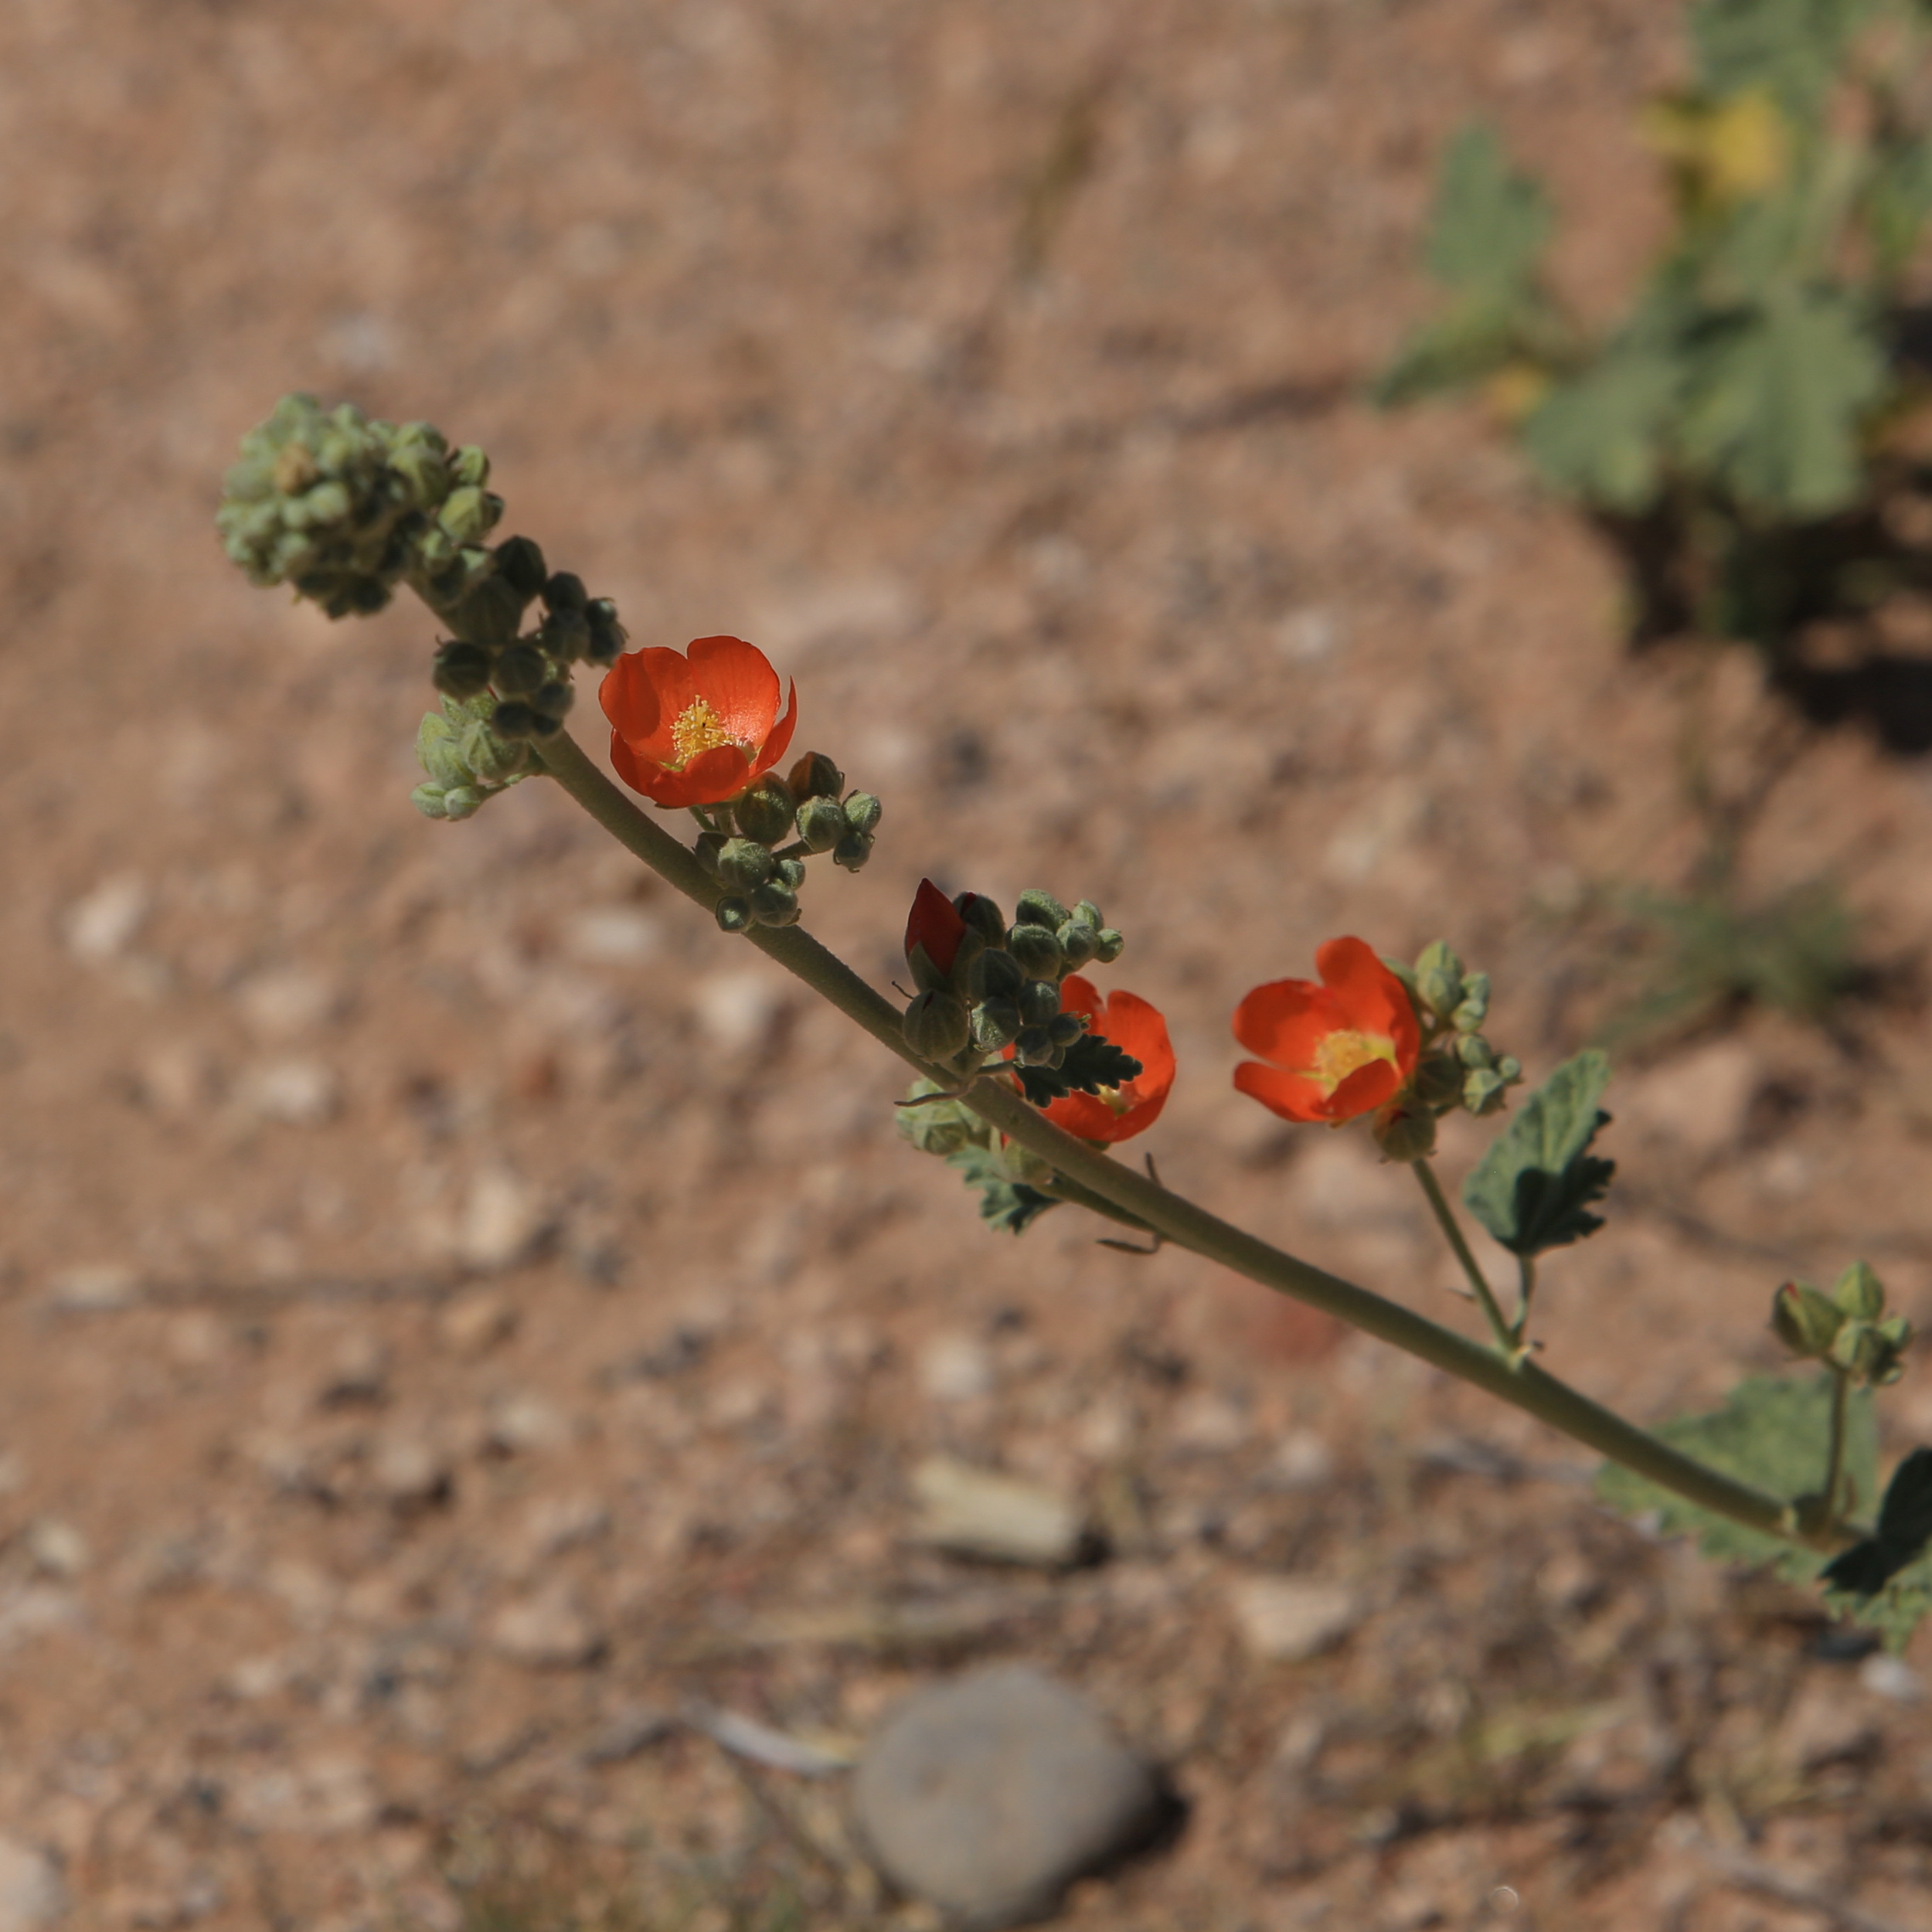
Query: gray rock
{"points": [[987, 1795], [31, 1893]]}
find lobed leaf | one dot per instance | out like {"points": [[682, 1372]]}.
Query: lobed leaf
{"points": [[1004, 1202], [1904, 1529], [1490, 223], [1532, 1189], [1092, 1062], [1600, 434]]}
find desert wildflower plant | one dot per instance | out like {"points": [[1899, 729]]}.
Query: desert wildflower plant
{"points": [[1027, 1074]]}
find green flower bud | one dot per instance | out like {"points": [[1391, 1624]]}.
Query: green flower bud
{"points": [[1510, 1069], [460, 669], [607, 636], [1079, 942], [469, 513], [488, 613], [863, 811], [744, 863], [1405, 1133], [514, 718], [565, 635], [995, 1021], [519, 670], [1469, 1016], [1036, 949], [1892, 1337], [996, 975], [937, 1127], [1039, 1000], [1038, 908], [563, 591], [544, 726], [814, 776], [425, 475], [428, 799], [772, 904], [1439, 979], [852, 851], [520, 563], [1108, 945], [1034, 1046], [463, 801], [1473, 1050], [1087, 914], [436, 551], [982, 916], [821, 823], [937, 1026], [327, 503], [706, 850], [1437, 1082], [553, 700], [1804, 1321], [1063, 1028], [790, 871], [765, 811], [1859, 1292], [487, 757], [1482, 1091], [734, 915], [470, 467]]}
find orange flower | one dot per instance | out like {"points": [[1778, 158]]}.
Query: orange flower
{"points": [[695, 728], [1136, 1027], [1341, 1049]]}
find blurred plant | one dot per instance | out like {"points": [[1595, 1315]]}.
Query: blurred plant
{"points": [[1738, 433], [1025, 1078]]}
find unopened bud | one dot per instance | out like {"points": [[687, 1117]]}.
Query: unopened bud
{"points": [[519, 670], [772, 904], [563, 591], [1108, 945], [1079, 942], [1063, 1028], [734, 915], [1034, 1046], [488, 612], [790, 871], [460, 669], [765, 812], [469, 514], [514, 718], [607, 636], [706, 850], [1859, 1292], [487, 757], [565, 635], [995, 1021], [995, 975], [1038, 908], [428, 799], [437, 751], [1804, 1321], [1482, 1091], [553, 699], [520, 563], [937, 1026], [1474, 1051], [983, 915], [1406, 1133], [744, 863], [852, 851], [863, 811], [1474, 1009], [1439, 979], [1437, 1080], [471, 467], [821, 823], [1087, 914], [426, 476], [1039, 1000], [1036, 949], [814, 776], [463, 801]]}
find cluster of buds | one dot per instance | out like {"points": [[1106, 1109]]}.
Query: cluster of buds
{"points": [[1847, 1330], [1457, 1067], [467, 759], [344, 508], [756, 845], [984, 986]]}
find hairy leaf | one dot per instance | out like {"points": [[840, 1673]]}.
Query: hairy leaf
{"points": [[1004, 1202], [1776, 398], [1490, 223], [1789, 49], [1533, 1187], [1773, 1433], [1600, 434], [1093, 1062], [1905, 1527]]}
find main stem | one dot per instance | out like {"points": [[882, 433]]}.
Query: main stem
{"points": [[1178, 1220]]}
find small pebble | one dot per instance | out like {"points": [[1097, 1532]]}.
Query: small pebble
{"points": [[1285, 1620], [473, 1324], [502, 1221], [31, 1893], [955, 1368], [975, 1513], [102, 926], [547, 1631]]}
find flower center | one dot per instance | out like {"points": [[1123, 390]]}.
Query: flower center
{"points": [[698, 728], [1342, 1053]]}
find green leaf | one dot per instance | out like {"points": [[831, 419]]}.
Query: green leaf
{"points": [[1490, 223], [1472, 339], [1532, 1189], [1600, 434], [1093, 1062], [1773, 1433], [1004, 1202], [1905, 1527], [1777, 399], [1789, 49]]}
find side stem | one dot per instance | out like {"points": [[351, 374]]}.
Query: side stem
{"points": [[1178, 1219], [1506, 1339]]}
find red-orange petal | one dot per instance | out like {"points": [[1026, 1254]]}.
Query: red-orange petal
{"points": [[934, 924], [1136, 1026], [1368, 997], [779, 738], [1285, 1020], [1364, 1090], [736, 680], [1293, 1096], [711, 777]]}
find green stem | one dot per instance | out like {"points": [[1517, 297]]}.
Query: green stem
{"points": [[1834, 1460], [1178, 1219], [1526, 1290], [1506, 1339]]}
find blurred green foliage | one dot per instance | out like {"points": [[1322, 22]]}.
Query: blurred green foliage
{"points": [[1736, 432]]}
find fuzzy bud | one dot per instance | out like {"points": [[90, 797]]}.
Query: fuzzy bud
{"points": [[1859, 1292], [706, 850], [1036, 949], [463, 801], [1806, 1321], [563, 591], [772, 904], [1108, 945], [1437, 1081], [863, 812], [1474, 1009], [520, 564], [1439, 979], [1063, 1028], [1482, 1091], [852, 851], [1079, 942], [744, 863], [519, 670], [515, 719], [487, 757], [995, 975], [460, 669], [607, 636], [821, 823], [1034, 1046], [937, 1026], [734, 915], [469, 467], [469, 514], [765, 812], [1038, 908], [814, 776], [790, 871], [565, 635], [996, 1022], [983, 915], [1039, 1000], [1405, 1133], [428, 799], [553, 699]]}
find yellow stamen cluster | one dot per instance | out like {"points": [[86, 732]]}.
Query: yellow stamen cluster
{"points": [[1341, 1054], [698, 728]]}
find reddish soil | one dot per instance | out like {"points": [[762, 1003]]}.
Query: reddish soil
{"points": [[454, 1304]]}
